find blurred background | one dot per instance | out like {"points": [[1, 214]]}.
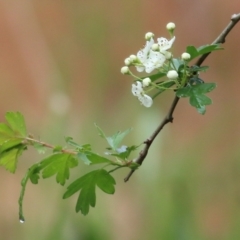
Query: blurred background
{"points": [[60, 66]]}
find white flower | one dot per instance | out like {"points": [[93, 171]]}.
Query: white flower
{"points": [[155, 60], [145, 100], [146, 82], [172, 74], [149, 35], [125, 70], [143, 55], [164, 44], [149, 59], [170, 26], [186, 56], [137, 89]]}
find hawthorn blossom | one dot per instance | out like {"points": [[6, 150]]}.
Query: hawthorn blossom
{"points": [[149, 59], [137, 90], [145, 100], [164, 44]]}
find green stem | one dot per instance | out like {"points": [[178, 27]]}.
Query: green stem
{"points": [[24, 184]]}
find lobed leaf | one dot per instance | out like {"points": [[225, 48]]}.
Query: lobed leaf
{"points": [[196, 52], [90, 158], [6, 133], [58, 164], [115, 139], [125, 154], [196, 94], [17, 123], [8, 159], [87, 185], [85, 147]]}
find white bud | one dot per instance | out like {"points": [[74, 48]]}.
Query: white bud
{"points": [[168, 55], [125, 70], [127, 61], [186, 56], [155, 47], [133, 58], [172, 74], [146, 82], [149, 35], [171, 26]]}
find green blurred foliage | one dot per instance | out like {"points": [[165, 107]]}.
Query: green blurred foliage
{"points": [[60, 66]]}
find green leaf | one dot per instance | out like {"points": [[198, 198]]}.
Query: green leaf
{"points": [[10, 144], [39, 147], [196, 94], [17, 123], [209, 48], [90, 158], [85, 147], [125, 154], [5, 132], [177, 63], [105, 182], [196, 52], [114, 140], [155, 77], [117, 138], [34, 174], [86, 185], [58, 164], [8, 159], [100, 131], [192, 51], [164, 86]]}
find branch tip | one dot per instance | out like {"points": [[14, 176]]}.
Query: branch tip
{"points": [[169, 117]]}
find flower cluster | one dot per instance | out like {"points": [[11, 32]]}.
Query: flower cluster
{"points": [[155, 55], [152, 56]]}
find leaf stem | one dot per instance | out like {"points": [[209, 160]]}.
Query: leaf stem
{"points": [[47, 145]]}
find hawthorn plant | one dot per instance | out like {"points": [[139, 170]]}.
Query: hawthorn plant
{"points": [[163, 72]]}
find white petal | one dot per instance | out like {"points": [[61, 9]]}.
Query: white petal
{"points": [[145, 100], [137, 89], [164, 44], [140, 68], [155, 60], [142, 54], [149, 66]]}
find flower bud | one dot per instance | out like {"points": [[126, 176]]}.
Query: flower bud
{"points": [[170, 26], [146, 82], [149, 35], [168, 55], [127, 61], [186, 56], [125, 70], [155, 47], [133, 58], [172, 74]]}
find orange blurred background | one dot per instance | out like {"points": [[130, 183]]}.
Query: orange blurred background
{"points": [[60, 66]]}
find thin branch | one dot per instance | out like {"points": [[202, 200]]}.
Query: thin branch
{"points": [[169, 117]]}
